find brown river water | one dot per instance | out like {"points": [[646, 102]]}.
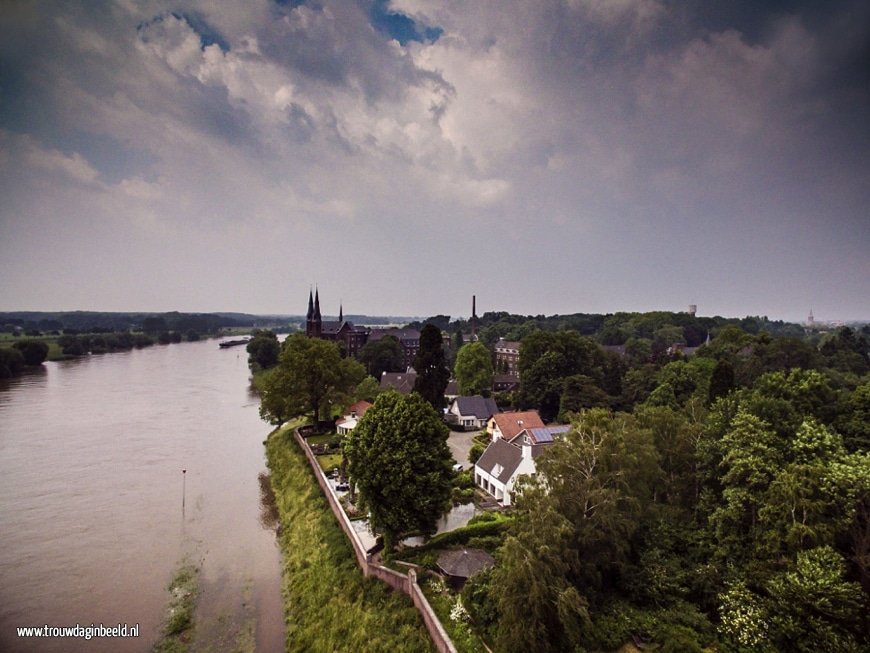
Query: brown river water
{"points": [[91, 492]]}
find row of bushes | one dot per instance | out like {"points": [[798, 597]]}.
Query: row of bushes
{"points": [[478, 527]]}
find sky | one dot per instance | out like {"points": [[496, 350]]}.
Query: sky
{"points": [[556, 156]]}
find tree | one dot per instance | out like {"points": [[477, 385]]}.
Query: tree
{"points": [[539, 609], [431, 367], [310, 376], [11, 362], [399, 461], [34, 351], [367, 389], [263, 350], [384, 355], [721, 381], [473, 369], [546, 359]]}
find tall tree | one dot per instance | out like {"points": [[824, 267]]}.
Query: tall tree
{"points": [[384, 355], [473, 369], [310, 377], [399, 461], [263, 350], [431, 367]]}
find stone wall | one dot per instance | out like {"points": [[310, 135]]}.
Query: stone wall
{"points": [[400, 582]]}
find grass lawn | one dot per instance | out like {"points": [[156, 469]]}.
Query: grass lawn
{"points": [[328, 604], [325, 438], [329, 461]]}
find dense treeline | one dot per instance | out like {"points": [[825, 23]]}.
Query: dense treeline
{"points": [[717, 500], [103, 322], [661, 327]]}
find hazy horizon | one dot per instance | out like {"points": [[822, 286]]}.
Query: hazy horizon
{"points": [[552, 157]]}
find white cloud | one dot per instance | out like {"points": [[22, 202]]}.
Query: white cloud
{"points": [[593, 131], [25, 149]]}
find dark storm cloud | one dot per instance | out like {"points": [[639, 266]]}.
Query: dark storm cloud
{"points": [[549, 156]]}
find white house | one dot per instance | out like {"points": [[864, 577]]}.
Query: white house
{"points": [[347, 423], [471, 413], [502, 463]]}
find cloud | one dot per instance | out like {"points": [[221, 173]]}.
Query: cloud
{"points": [[23, 149], [599, 135]]}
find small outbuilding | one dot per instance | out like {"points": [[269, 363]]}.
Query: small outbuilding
{"points": [[461, 564]]}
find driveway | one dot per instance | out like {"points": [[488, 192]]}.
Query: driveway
{"points": [[460, 444]]}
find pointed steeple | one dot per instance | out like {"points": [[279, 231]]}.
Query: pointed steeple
{"points": [[316, 304], [340, 314], [310, 313]]}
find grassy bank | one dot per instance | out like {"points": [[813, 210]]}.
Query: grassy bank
{"points": [[328, 605]]}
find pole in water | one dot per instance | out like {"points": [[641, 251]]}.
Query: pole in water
{"points": [[183, 487]]}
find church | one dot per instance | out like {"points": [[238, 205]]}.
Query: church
{"points": [[350, 337]]}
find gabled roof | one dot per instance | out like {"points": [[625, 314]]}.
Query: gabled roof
{"points": [[512, 423], [452, 388], [401, 381], [359, 408], [500, 452], [507, 344], [477, 406]]}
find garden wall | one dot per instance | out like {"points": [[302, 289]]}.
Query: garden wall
{"points": [[403, 583]]}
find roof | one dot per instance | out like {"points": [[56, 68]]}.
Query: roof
{"points": [[500, 452], [544, 434], [329, 326], [464, 563], [359, 408], [512, 423], [401, 381], [400, 334], [452, 388], [479, 407], [507, 344]]}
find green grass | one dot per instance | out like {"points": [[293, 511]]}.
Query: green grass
{"points": [[54, 351], [328, 604], [329, 461], [183, 591], [324, 438]]}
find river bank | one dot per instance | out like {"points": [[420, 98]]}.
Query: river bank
{"points": [[328, 604]]}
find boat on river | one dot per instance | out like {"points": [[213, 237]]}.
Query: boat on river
{"points": [[233, 343]]}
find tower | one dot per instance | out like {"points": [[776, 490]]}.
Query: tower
{"points": [[810, 319], [474, 318], [316, 321], [309, 317]]}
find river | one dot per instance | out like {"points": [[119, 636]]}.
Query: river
{"points": [[91, 491]]}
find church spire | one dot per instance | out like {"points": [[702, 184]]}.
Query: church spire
{"points": [[310, 313], [316, 304], [340, 314]]}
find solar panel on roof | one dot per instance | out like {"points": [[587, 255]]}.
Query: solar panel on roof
{"points": [[542, 435]]}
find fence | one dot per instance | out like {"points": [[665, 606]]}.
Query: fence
{"points": [[406, 583]]}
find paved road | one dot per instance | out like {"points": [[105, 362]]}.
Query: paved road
{"points": [[460, 445]]}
